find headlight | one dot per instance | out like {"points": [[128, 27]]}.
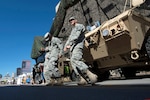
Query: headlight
{"points": [[105, 32]]}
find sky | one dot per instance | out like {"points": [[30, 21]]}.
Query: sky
{"points": [[20, 22]]}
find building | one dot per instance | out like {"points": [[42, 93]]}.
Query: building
{"points": [[26, 66], [19, 71]]}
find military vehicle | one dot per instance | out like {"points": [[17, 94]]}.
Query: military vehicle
{"points": [[121, 42], [114, 38]]}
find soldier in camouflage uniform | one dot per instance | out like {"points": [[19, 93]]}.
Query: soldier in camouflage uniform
{"points": [[75, 43], [53, 53]]}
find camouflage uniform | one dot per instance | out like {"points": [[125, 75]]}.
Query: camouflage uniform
{"points": [[76, 41], [54, 50]]}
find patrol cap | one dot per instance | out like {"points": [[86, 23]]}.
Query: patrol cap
{"points": [[71, 18], [46, 36]]}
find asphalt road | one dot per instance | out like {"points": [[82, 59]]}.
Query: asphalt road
{"points": [[100, 92]]}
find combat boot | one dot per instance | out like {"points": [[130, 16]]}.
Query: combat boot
{"points": [[93, 77], [51, 83], [58, 81], [82, 81]]}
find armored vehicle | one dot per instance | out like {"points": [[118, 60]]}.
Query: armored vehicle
{"points": [[121, 42], [115, 38]]}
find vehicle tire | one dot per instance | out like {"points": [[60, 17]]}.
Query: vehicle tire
{"points": [[128, 72], [147, 46], [103, 76]]}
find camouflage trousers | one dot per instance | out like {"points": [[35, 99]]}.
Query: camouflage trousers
{"points": [[76, 60], [50, 69]]}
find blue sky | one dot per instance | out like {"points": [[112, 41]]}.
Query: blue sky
{"points": [[20, 22]]}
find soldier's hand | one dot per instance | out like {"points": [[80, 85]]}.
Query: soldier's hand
{"points": [[65, 49], [60, 56], [42, 49], [68, 47]]}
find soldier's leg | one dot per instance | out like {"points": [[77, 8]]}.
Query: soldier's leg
{"points": [[82, 67], [47, 75], [79, 78], [77, 59], [53, 65], [56, 75]]}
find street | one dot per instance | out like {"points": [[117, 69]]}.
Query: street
{"points": [[133, 89]]}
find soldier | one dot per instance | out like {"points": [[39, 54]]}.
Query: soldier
{"points": [[53, 53], [75, 43]]}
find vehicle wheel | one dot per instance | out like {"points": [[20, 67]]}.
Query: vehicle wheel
{"points": [[129, 72], [103, 76], [147, 46]]}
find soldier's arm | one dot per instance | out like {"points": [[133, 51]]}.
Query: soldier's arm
{"points": [[75, 35], [67, 42], [60, 46], [46, 49]]}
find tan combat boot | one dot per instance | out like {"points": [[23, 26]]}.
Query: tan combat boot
{"points": [[92, 76], [82, 81], [51, 83], [58, 81]]}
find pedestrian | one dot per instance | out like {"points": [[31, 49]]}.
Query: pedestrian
{"points": [[33, 74], [28, 79], [75, 43], [53, 51], [41, 66]]}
